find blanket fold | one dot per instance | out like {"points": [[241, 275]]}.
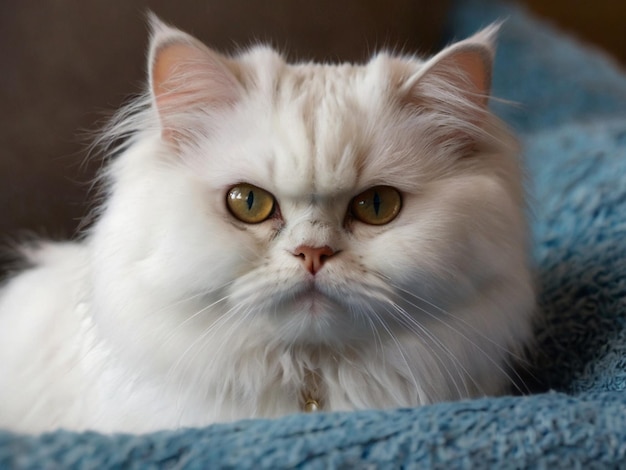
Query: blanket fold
{"points": [[588, 430]]}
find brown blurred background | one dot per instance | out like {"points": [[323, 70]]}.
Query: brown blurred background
{"points": [[601, 22], [67, 65]]}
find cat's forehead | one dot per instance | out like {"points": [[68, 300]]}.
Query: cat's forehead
{"points": [[321, 106], [321, 125]]}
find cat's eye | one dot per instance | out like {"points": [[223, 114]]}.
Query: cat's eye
{"points": [[377, 206], [249, 203]]}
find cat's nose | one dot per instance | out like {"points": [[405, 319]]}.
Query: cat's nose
{"points": [[313, 258]]}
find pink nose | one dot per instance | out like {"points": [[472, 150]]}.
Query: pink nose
{"points": [[313, 258]]}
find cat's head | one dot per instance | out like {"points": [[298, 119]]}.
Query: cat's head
{"points": [[328, 203]]}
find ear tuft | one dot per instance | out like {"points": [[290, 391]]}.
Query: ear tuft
{"points": [[465, 65], [186, 76]]}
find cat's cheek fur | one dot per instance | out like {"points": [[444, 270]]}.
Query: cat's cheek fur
{"points": [[182, 261], [467, 265], [455, 228]]}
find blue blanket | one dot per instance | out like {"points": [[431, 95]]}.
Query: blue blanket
{"points": [[572, 120]]}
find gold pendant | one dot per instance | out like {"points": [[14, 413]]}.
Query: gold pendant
{"points": [[311, 394], [311, 406]]}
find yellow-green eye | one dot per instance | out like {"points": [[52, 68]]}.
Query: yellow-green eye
{"points": [[377, 206], [249, 203]]}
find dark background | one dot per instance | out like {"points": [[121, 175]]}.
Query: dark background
{"points": [[601, 22]]}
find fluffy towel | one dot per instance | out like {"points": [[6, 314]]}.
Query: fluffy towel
{"points": [[572, 119]]}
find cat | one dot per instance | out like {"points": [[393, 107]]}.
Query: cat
{"points": [[278, 238]]}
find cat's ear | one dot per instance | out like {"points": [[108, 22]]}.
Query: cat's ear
{"points": [[462, 69], [186, 77]]}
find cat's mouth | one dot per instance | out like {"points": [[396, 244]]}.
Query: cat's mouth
{"points": [[316, 311], [312, 298], [313, 301], [308, 314]]}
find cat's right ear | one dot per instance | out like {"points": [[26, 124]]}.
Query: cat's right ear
{"points": [[186, 79]]}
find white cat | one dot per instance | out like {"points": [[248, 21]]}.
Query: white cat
{"points": [[279, 238]]}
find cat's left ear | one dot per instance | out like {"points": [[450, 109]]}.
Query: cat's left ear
{"points": [[464, 67], [186, 77]]}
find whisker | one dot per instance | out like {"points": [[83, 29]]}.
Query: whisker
{"points": [[212, 328], [472, 342], [418, 389], [175, 330], [378, 342], [195, 296], [412, 323], [457, 318], [202, 339], [192, 317], [242, 317]]}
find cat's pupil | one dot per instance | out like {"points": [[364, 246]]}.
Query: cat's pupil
{"points": [[376, 203], [250, 200]]}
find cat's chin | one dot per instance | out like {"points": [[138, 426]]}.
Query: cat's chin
{"points": [[313, 316], [312, 302]]}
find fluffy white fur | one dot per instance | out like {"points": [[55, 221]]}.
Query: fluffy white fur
{"points": [[171, 312]]}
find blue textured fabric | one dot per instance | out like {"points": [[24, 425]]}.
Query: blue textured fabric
{"points": [[572, 120]]}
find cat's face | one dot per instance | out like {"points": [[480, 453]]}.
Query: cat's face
{"points": [[313, 263], [327, 203]]}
